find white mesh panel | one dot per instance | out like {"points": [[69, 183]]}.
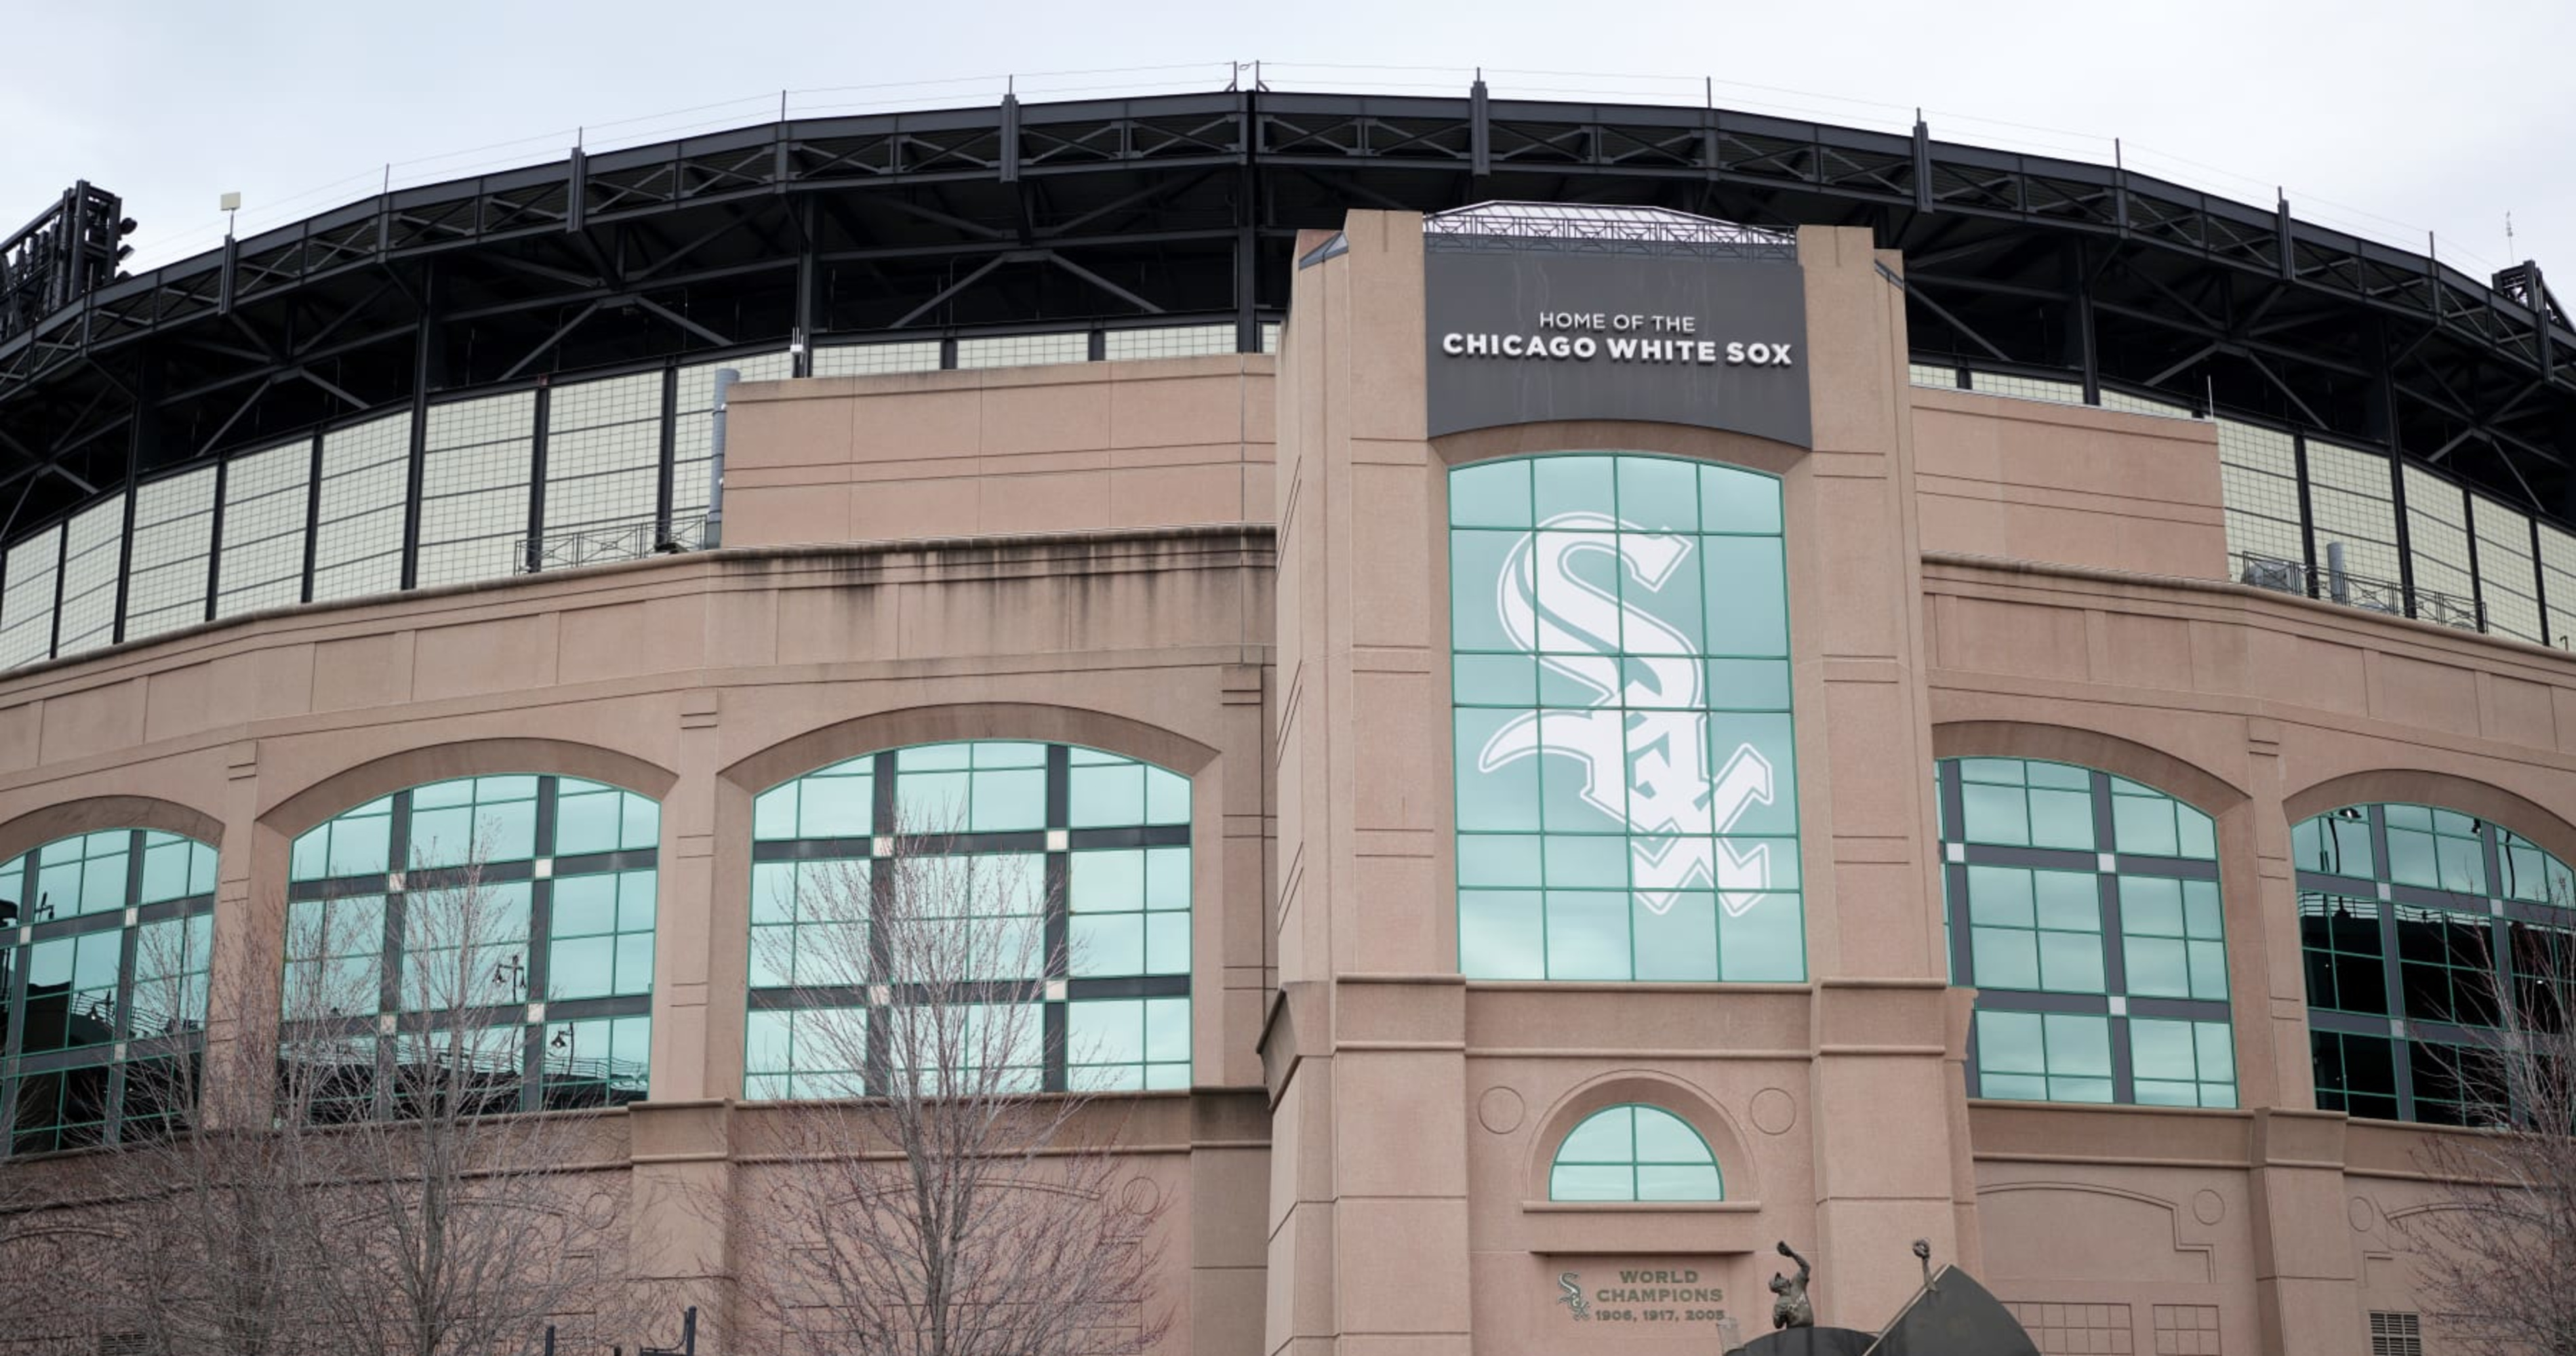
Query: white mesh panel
{"points": [[2508, 580], [861, 360], [1168, 341], [693, 430], [475, 464], [2027, 388], [2258, 476], [2437, 536], [1270, 336], [27, 603], [174, 536], [90, 551], [357, 546], [2352, 501], [265, 497], [1023, 350], [2558, 580], [1931, 374], [603, 454], [2137, 404]]}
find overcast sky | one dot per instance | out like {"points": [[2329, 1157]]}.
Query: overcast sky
{"points": [[2386, 118]]}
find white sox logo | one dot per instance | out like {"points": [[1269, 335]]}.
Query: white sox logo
{"points": [[1644, 740]]}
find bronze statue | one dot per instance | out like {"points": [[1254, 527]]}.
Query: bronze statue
{"points": [[1791, 1309]]}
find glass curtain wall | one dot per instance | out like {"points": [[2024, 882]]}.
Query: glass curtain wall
{"points": [[1090, 851], [2084, 909], [2425, 931], [519, 909], [1626, 763], [108, 941]]}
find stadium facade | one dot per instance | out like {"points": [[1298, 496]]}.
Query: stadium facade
{"points": [[1767, 682]]}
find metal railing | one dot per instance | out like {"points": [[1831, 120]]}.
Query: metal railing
{"points": [[601, 545], [2352, 590]]}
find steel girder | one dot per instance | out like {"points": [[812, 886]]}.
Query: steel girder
{"points": [[1135, 211]]}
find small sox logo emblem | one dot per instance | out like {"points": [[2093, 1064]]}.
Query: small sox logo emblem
{"points": [[1644, 740], [1570, 1283]]}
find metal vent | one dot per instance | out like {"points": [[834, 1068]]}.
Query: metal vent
{"points": [[2280, 576], [2394, 1333]]}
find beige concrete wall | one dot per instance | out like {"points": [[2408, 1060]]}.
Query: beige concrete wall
{"points": [[2068, 484], [2262, 710], [1434, 1241], [1364, 1163], [700, 681], [1085, 446]]}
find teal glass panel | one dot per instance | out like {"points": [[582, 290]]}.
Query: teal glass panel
{"points": [[1622, 728], [1496, 494], [1634, 1153]]}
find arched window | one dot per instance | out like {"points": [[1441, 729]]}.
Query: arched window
{"points": [[1067, 870], [505, 920], [103, 968], [1627, 800], [2084, 909], [2419, 926], [1634, 1152]]}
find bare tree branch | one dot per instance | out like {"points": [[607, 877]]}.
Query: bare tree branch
{"points": [[926, 1195]]}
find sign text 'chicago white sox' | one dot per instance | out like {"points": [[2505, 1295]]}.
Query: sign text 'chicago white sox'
{"points": [[1621, 337]]}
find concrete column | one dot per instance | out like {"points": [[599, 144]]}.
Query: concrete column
{"points": [[1885, 1085], [1370, 1109], [2305, 1292], [681, 1140]]}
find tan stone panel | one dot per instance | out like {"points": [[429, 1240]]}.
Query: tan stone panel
{"points": [[916, 425], [2220, 656], [1864, 724], [1968, 523], [783, 427], [2149, 651], [2414, 692], [1051, 502], [2068, 1231], [1535, 1016], [786, 514], [1162, 496], [271, 679], [1855, 341], [93, 720], [1396, 920], [1223, 1308], [1301, 1252], [19, 727], [1407, 1107], [901, 510], [826, 625], [1410, 1013], [1227, 1228], [1847, 569], [2331, 676], [742, 626], [362, 671], [2519, 712], [507, 655], [178, 701], [653, 635], [1172, 411], [1400, 1266], [1058, 417], [2002, 637]]}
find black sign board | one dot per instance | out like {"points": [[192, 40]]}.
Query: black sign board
{"points": [[1518, 335]]}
